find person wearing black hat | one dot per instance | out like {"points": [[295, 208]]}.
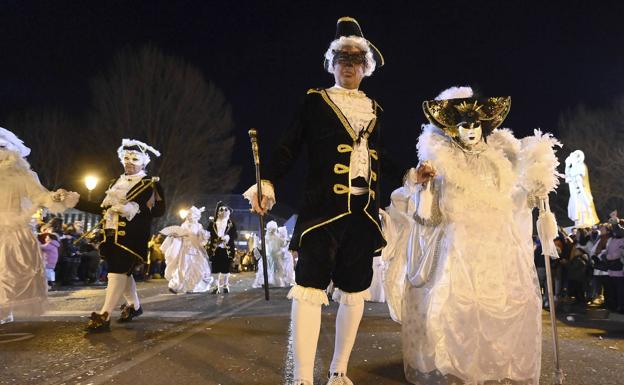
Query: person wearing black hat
{"points": [[338, 230], [471, 308], [221, 246], [132, 201]]}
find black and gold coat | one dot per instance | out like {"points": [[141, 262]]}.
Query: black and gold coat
{"points": [[214, 241], [324, 132], [126, 246]]}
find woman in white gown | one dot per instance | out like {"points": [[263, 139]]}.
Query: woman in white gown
{"points": [[280, 266], [398, 224], [472, 306], [23, 285], [188, 270]]}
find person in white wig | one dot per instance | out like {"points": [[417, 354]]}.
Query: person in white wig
{"points": [[131, 202], [472, 309], [338, 229], [278, 266], [187, 269], [23, 285]]}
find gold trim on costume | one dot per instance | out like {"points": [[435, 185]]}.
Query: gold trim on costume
{"points": [[121, 233], [373, 154], [348, 18], [342, 148], [374, 176], [121, 224], [321, 224], [341, 189], [343, 119], [340, 169]]}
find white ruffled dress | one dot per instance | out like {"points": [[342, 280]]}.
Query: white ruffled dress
{"points": [[477, 320], [188, 270], [23, 285]]}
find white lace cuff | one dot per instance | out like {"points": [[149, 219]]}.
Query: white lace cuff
{"points": [[128, 210], [351, 299], [309, 294], [67, 201], [267, 191]]}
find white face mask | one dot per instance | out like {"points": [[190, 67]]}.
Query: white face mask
{"points": [[223, 214], [134, 158], [470, 133]]}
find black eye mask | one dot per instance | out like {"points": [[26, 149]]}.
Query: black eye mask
{"points": [[343, 57]]}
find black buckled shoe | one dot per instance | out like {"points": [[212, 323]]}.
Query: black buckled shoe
{"points": [[98, 323], [226, 289], [128, 313]]}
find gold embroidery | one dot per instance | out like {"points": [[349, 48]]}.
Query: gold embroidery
{"points": [[342, 148], [340, 169], [122, 224], [341, 189], [321, 224], [340, 115], [374, 176], [373, 154], [121, 233]]}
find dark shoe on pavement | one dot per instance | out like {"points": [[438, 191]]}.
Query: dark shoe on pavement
{"points": [[128, 313], [98, 323], [216, 290], [226, 289], [172, 291]]}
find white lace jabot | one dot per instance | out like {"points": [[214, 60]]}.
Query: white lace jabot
{"points": [[358, 109]]}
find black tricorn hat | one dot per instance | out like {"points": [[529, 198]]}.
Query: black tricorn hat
{"points": [[347, 26], [218, 206], [447, 114]]}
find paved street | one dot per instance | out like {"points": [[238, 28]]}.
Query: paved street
{"points": [[240, 338]]}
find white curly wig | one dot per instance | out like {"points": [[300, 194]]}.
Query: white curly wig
{"points": [[354, 41]]}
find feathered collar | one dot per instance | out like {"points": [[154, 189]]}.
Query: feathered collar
{"points": [[450, 161]]}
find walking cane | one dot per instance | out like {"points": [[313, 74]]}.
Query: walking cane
{"points": [[545, 224], [253, 136]]}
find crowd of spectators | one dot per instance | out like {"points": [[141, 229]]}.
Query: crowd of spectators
{"points": [[590, 268], [71, 257]]}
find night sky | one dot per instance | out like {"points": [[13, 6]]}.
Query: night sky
{"points": [[549, 56]]}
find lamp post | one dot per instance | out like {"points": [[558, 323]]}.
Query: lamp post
{"points": [[183, 213], [90, 183]]}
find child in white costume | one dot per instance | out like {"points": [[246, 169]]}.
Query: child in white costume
{"points": [[23, 285], [187, 269], [472, 306]]}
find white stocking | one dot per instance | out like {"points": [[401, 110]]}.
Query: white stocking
{"points": [[130, 293], [226, 281], [114, 292], [347, 324], [306, 326]]}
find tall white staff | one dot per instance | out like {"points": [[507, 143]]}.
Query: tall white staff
{"points": [[253, 136], [547, 231]]}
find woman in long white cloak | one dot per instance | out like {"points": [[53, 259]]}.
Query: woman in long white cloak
{"points": [[188, 270], [280, 267], [472, 307], [23, 285]]}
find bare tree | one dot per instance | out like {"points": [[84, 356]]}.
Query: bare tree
{"points": [[165, 101], [599, 133], [48, 134]]}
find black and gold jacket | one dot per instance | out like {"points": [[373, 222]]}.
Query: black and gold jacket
{"points": [[324, 132], [128, 243], [214, 241]]}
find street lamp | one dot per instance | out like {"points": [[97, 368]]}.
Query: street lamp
{"points": [[90, 182], [183, 213]]}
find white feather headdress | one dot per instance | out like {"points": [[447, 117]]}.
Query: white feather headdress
{"points": [[136, 147], [13, 143]]}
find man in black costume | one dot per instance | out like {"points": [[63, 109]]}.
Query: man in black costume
{"points": [[221, 246], [130, 204], [338, 230]]}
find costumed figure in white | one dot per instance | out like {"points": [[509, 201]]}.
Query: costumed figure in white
{"points": [[398, 224], [472, 309], [187, 268], [23, 285], [131, 202], [221, 246], [581, 207], [338, 230], [277, 254]]}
